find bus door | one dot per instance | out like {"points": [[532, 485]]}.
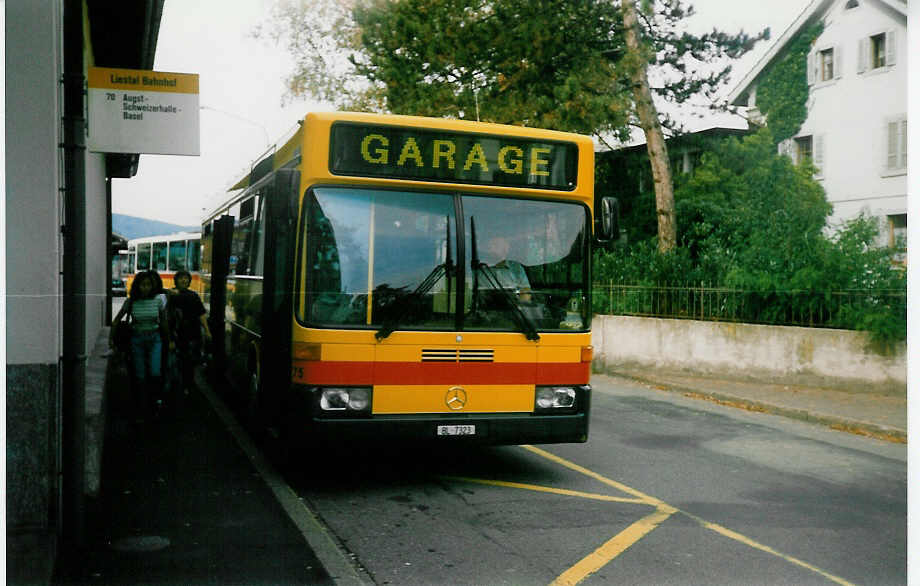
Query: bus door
{"points": [[254, 312], [215, 292], [282, 200]]}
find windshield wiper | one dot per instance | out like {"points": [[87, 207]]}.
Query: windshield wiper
{"points": [[391, 323], [525, 323], [445, 268]]}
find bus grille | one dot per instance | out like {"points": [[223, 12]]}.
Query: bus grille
{"points": [[457, 355]]}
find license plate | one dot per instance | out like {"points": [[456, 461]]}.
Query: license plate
{"points": [[456, 430]]}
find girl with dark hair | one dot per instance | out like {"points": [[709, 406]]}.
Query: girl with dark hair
{"points": [[149, 329]]}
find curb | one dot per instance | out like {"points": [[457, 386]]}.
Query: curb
{"points": [[335, 559], [852, 426]]}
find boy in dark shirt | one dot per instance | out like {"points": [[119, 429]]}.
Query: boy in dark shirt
{"points": [[191, 321]]}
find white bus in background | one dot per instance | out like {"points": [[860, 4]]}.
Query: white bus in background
{"points": [[166, 254]]}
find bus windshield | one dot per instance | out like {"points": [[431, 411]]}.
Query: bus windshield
{"points": [[401, 260]]}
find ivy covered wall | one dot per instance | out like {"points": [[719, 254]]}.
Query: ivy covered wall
{"points": [[782, 95]]}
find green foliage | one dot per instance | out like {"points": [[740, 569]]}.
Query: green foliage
{"points": [[858, 263], [625, 174], [783, 93], [546, 63], [752, 221], [496, 61], [747, 200]]}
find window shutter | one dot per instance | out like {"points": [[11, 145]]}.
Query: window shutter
{"points": [[892, 145], [819, 154], [863, 55], [838, 63], [787, 147], [817, 157], [903, 143], [890, 48], [810, 68]]}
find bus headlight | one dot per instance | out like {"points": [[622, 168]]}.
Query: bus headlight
{"points": [[351, 399], [359, 399], [554, 398]]}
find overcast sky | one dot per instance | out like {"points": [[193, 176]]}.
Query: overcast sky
{"points": [[241, 92]]}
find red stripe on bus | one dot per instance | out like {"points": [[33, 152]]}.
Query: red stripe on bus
{"points": [[563, 373], [416, 373]]}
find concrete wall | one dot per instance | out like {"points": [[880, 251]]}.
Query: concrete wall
{"points": [[33, 263], [775, 353], [97, 246], [33, 163]]}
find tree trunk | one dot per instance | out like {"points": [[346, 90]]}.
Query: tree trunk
{"points": [[654, 138]]}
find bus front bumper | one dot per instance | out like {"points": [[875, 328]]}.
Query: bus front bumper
{"points": [[492, 430], [307, 422]]}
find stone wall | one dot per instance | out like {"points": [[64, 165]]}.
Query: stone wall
{"points": [[809, 356], [31, 446]]}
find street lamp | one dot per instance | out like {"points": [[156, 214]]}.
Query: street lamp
{"points": [[268, 142]]}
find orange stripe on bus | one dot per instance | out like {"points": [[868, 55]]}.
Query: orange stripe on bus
{"points": [[415, 373]]}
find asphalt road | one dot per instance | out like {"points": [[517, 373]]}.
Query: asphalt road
{"points": [[668, 490]]}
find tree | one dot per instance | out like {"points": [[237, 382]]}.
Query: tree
{"points": [[752, 214], [654, 137], [660, 42], [549, 63], [324, 41], [497, 61]]}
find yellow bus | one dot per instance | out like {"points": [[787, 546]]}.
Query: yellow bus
{"points": [[407, 278]]}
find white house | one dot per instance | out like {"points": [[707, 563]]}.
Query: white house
{"points": [[855, 131]]}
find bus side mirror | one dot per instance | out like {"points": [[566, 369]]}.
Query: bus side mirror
{"points": [[607, 220]]}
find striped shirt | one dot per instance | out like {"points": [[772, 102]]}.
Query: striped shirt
{"points": [[146, 313]]}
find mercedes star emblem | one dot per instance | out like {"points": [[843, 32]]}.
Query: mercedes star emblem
{"points": [[456, 398]]}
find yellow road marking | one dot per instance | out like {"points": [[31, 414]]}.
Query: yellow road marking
{"points": [[647, 524], [751, 543], [601, 556], [646, 499], [538, 488]]}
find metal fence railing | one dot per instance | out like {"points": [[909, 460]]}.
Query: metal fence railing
{"points": [[836, 309]]}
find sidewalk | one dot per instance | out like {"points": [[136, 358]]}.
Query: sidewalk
{"points": [[871, 413], [182, 503]]}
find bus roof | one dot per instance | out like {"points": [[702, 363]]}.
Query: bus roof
{"points": [[165, 238]]}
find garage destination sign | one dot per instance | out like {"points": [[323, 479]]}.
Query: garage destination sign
{"points": [[399, 152]]}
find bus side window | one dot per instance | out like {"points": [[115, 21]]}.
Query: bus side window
{"points": [[143, 257], [257, 260], [159, 256], [242, 244], [177, 253], [194, 255], [204, 251]]}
